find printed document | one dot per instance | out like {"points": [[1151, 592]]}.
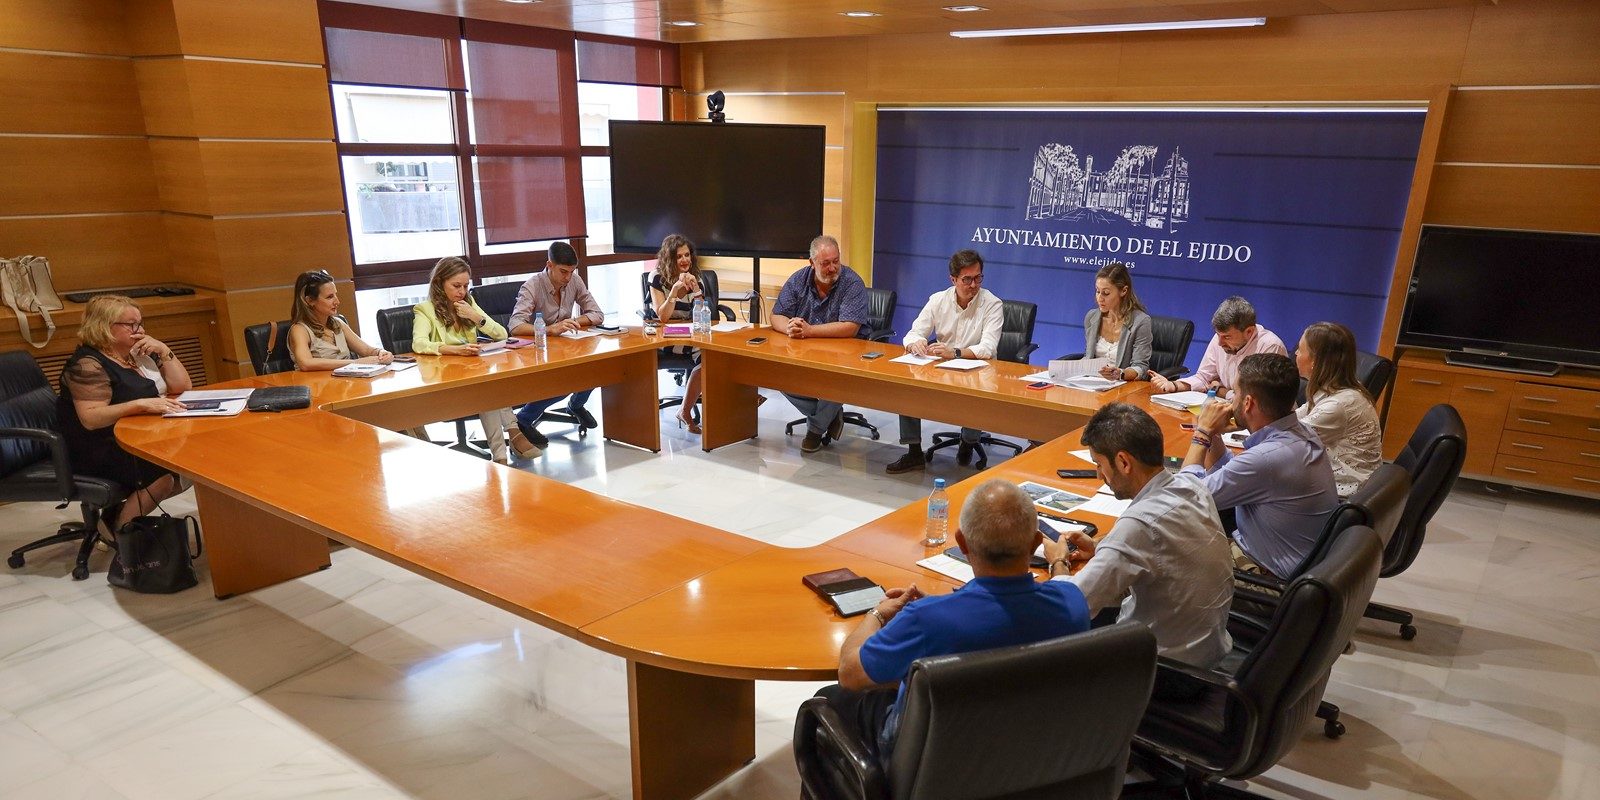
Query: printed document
{"points": [[962, 364], [914, 359]]}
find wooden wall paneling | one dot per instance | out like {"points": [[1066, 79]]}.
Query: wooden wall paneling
{"points": [[244, 307], [828, 110], [266, 30], [193, 245], [787, 66], [224, 99], [1533, 198], [1523, 126], [933, 67], [164, 94], [265, 177], [94, 251], [1526, 42], [1411, 227], [1330, 49], [271, 251], [67, 175], [152, 28], [69, 94], [180, 175], [861, 181], [71, 26]]}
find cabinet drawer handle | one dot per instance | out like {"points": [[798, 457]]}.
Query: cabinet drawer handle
{"points": [[1427, 383], [1530, 398], [1520, 469], [1483, 389], [1586, 480], [1540, 422], [1530, 446]]}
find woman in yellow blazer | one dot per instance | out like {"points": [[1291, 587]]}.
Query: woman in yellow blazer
{"points": [[449, 324]]}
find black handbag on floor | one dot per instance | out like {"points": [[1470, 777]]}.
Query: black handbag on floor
{"points": [[153, 555]]}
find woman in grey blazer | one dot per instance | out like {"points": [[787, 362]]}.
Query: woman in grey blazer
{"points": [[1118, 327]]}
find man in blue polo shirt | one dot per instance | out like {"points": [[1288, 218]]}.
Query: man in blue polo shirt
{"points": [[826, 300], [1000, 607]]}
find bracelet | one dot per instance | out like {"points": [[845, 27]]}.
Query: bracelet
{"points": [[878, 617], [1053, 564], [1203, 441], [1199, 431]]}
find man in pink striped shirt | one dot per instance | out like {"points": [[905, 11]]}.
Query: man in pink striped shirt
{"points": [[1237, 336]]}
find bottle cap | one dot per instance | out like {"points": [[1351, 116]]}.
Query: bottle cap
{"points": [[938, 483]]}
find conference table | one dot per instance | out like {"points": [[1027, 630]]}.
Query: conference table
{"points": [[698, 613]]}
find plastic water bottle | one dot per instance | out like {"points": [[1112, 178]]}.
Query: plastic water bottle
{"points": [[541, 340], [938, 515], [701, 317]]}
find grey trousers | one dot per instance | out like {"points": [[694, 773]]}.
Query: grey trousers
{"points": [[911, 432], [819, 413]]}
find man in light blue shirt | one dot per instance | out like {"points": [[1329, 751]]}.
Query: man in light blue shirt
{"points": [[1281, 487]]}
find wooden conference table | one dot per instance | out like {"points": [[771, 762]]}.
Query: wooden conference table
{"points": [[698, 613]]}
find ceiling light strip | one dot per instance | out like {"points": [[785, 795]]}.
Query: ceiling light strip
{"points": [[1126, 27]]}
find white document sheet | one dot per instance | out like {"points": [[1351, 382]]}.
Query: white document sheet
{"points": [[1082, 455], [726, 326], [575, 334], [1105, 504], [1061, 368], [218, 402], [215, 394], [962, 364], [948, 567], [1179, 400], [914, 359]]}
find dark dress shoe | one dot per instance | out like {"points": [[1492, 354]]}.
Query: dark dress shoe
{"points": [[910, 462], [538, 439], [964, 453], [812, 443], [836, 428], [582, 415]]}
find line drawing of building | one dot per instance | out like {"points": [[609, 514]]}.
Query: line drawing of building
{"points": [[1134, 189]]}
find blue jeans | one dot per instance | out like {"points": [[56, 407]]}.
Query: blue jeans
{"points": [[911, 432], [819, 413], [529, 413]]}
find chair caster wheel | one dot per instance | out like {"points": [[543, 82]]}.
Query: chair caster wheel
{"points": [[15, 561], [1333, 729], [80, 572], [1408, 632]]}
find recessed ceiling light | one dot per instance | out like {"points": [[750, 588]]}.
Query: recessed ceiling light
{"points": [[521, 2], [860, 13], [965, 8], [683, 23], [1192, 24]]}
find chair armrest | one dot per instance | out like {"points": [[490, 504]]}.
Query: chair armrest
{"points": [[1255, 579], [1071, 357], [882, 336], [824, 744], [1245, 620], [1215, 680], [1027, 350], [727, 313], [58, 455]]}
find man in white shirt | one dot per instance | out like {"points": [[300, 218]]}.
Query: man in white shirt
{"points": [[964, 322], [1166, 562]]}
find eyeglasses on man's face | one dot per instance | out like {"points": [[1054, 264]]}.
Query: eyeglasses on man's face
{"points": [[971, 280]]}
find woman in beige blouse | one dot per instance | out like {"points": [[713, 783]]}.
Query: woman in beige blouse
{"points": [[1337, 406], [319, 339]]}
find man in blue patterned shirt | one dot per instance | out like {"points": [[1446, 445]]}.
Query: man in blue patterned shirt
{"points": [[826, 300]]}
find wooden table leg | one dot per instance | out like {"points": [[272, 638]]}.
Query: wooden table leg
{"points": [[688, 731], [729, 407], [632, 415], [248, 548]]}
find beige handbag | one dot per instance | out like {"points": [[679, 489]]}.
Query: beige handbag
{"points": [[26, 287]]}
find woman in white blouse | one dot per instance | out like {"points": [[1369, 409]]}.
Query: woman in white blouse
{"points": [[1337, 406]]}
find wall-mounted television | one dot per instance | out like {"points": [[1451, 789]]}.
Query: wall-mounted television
{"points": [[734, 190], [1503, 293]]}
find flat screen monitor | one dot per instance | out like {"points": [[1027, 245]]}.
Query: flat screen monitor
{"points": [[1522, 293], [734, 190]]}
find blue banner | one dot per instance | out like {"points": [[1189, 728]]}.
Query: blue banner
{"points": [[1297, 211]]}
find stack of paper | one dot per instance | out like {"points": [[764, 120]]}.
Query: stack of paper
{"points": [[1182, 401], [361, 370], [962, 364], [914, 359], [726, 326], [212, 402], [948, 567], [577, 334]]}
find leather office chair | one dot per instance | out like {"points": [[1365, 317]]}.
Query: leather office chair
{"points": [[679, 365], [1378, 504], [1016, 344], [498, 300], [35, 465], [1253, 708], [1169, 345], [880, 328], [1433, 457], [268, 345], [1372, 372], [997, 723], [394, 332]]}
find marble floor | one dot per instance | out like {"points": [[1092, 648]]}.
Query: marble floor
{"points": [[365, 681]]}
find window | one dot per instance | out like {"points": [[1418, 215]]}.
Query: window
{"points": [[598, 104]]}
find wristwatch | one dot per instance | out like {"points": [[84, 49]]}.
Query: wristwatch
{"points": [[958, 352]]}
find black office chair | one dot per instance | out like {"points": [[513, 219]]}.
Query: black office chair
{"points": [[1252, 709], [1169, 345], [1372, 372], [880, 328], [997, 723], [35, 465], [498, 300], [1016, 344], [268, 346], [1378, 504], [394, 331], [1433, 457], [679, 365]]}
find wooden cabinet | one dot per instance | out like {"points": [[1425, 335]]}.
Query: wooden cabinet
{"points": [[1527, 430]]}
